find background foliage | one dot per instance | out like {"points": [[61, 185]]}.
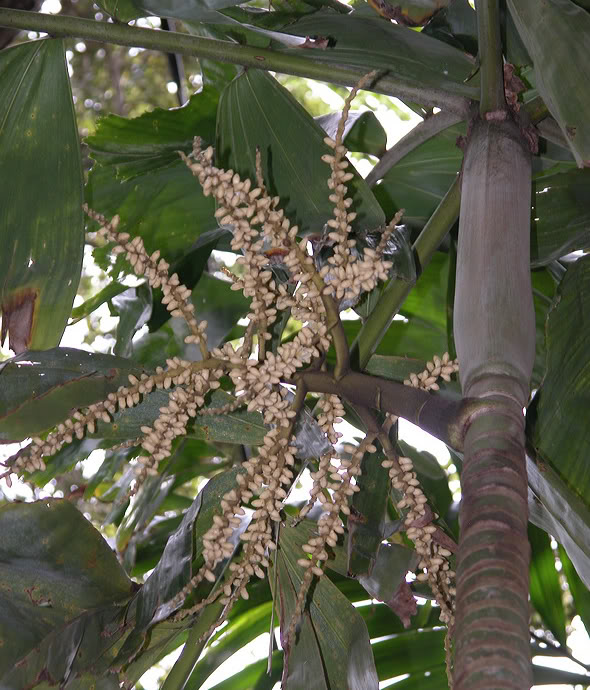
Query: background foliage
{"points": [[75, 611]]}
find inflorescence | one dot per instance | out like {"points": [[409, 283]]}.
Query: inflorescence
{"points": [[259, 228]]}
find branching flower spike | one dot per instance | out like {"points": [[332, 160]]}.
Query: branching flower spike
{"points": [[262, 377]]}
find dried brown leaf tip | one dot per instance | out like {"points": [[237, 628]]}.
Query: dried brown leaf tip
{"points": [[18, 310]]}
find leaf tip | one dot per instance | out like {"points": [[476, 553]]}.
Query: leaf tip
{"points": [[17, 319]]}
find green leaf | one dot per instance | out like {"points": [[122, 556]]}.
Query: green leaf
{"points": [[54, 566], [216, 75], [552, 158], [134, 146], [393, 367], [399, 368], [213, 492], [215, 302], [151, 546], [545, 589], [371, 43], [235, 427], [427, 299], [41, 219], [557, 426], [416, 12], [134, 307], [80, 653], [121, 10], [165, 207], [219, 305], [578, 590], [515, 50], [426, 680], [367, 518], [418, 182], [561, 215], [455, 24], [363, 131], [111, 465], [543, 293], [241, 631], [190, 268], [423, 332], [154, 601], [560, 512], [391, 660], [140, 176], [560, 73], [414, 652], [64, 460], [332, 648], [254, 676], [415, 338], [164, 639], [543, 675], [39, 389], [256, 111], [391, 567], [147, 501], [194, 458], [93, 303], [199, 10]]}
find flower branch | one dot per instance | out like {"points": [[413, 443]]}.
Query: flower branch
{"points": [[443, 417]]}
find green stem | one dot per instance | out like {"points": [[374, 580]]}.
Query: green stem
{"points": [[490, 57], [396, 291], [62, 26], [182, 669]]}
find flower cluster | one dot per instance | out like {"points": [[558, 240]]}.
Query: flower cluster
{"points": [[314, 296], [347, 278], [191, 380], [419, 528], [334, 484], [418, 517], [440, 367]]}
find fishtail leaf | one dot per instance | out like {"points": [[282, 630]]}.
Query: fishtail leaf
{"points": [[41, 221]]}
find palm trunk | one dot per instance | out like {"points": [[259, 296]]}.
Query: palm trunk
{"points": [[495, 335]]}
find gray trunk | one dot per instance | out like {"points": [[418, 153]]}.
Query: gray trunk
{"points": [[495, 336]]}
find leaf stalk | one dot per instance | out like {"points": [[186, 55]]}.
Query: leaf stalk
{"points": [[225, 51], [490, 57]]}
